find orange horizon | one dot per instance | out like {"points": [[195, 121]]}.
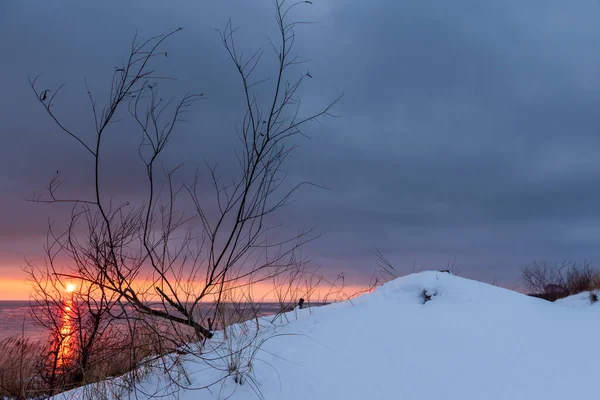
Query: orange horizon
{"points": [[13, 289]]}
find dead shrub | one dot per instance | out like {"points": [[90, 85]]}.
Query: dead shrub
{"points": [[580, 279], [555, 281]]}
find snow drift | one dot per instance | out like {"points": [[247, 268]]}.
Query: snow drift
{"points": [[429, 335]]}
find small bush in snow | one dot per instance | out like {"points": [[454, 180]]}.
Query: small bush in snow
{"points": [[555, 281], [427, 295], [593, 297]]}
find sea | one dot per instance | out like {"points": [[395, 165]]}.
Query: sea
{"points": [[16, 319]]}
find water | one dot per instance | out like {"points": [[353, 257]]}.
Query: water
{"points": [[15, 319]]}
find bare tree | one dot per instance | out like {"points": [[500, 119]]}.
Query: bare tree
{"points": [[135, 254]]}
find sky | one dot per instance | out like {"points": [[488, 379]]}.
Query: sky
{"points": [[468, 132]]}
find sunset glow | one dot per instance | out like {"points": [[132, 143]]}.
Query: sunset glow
{"points": [[70, 287]]}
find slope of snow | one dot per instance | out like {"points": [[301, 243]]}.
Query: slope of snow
{"points": [[469, 341], [581, 301]]}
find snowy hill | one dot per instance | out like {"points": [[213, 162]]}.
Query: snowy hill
{"points": [[582, 301], [429, 335]]}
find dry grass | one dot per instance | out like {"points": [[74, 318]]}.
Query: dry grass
{"points": [[23, 374], [118, 353], [20, 360]]}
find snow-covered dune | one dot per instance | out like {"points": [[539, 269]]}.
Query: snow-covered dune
{"points": [[429, 335], [588, 301]]}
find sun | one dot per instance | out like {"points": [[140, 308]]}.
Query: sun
{"points": [[71, 287]]}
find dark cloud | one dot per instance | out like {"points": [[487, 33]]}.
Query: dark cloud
{"points": [[468, 130]]}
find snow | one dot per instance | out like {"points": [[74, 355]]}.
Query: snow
{"points": [[471, 340], [581, 301]]}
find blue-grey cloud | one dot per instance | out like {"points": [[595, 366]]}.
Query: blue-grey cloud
{"points": [[467, 130]]}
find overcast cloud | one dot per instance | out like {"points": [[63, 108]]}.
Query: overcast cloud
{"points": [[468, 130]]}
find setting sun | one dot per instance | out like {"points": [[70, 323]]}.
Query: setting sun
{"points": [[70, 288]]}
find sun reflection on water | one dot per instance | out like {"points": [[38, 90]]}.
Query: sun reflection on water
{"points": [[65, 340]]}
